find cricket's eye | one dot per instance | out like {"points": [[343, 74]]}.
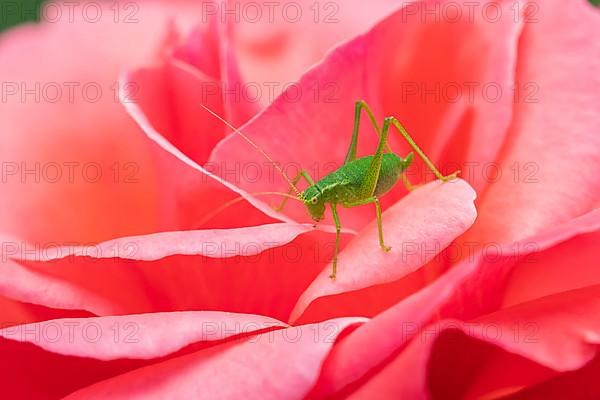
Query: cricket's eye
{"points": [[314, 200]]}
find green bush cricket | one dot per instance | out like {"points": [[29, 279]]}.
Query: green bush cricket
{"points": [[359, 181]]}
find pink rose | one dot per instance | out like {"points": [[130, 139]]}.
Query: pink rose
{"points": [[124, 276]]}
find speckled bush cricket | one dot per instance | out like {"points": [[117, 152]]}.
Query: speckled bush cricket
{"points": [[358, 182]]}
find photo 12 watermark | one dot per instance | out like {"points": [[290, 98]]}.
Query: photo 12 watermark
{"points": [[470, 12], [468, 92], [490, 172], [70, 331], [71, 92], [254, 12], [267, 92], [49, 252], [454, 331], [68, 172], [52, 12]]}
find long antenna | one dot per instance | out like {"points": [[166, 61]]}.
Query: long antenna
{"points": [[247, 139], [239, 199]]}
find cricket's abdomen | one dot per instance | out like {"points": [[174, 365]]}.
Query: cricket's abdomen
{"points": [[342, 185]]}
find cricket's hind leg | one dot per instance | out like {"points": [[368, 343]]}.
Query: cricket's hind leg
{"points": [[359, 107], [420, 152], [351, 154]]}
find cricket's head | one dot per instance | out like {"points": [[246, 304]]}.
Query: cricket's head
{"points": [[314, 201]]}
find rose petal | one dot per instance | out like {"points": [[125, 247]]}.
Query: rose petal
{"points": [[146, 335], [67, 137], [197, 72], [20, 283], [242, 370], [170, 94], [210, 243], [469, 290], [446, 71], [192, 270], [559, 332], [209, 183], [553, 144], [83, 351], [579, 384], [564, 267], [13, 312], [275, 50]]}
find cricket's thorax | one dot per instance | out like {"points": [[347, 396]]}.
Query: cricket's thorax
{"points": [[341, 186]]}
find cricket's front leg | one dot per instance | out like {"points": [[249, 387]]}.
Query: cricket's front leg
{"points": [[338, 229], [302, 174]]}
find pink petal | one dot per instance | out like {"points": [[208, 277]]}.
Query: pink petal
{"points": [[579, 384], [553, 141], [192, 270], [433, 72], [203, 190], [277, 49], [468, 291], [212, 243], [417, 228], [71, 283], [13, 312], [563, 333], [488, 371], [564, 267], [19, 283], [237, 370], [83, 351], [78, 130], [145, 336], [169, 95], [242, 108], [210, 75], [197, 72]]}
